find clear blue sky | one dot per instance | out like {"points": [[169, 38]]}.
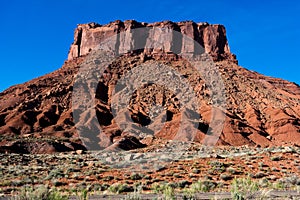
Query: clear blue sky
{"points": [[36, 35]]}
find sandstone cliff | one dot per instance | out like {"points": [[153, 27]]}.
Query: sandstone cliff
{"points": [[211, 37]]}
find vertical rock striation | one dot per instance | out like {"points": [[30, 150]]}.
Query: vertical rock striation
{"points": [[212, 38]]}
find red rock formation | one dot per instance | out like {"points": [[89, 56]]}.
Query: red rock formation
{"points": [[260, 110]]}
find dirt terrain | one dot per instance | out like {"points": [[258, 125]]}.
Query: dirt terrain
{"points": [[204, 170]]}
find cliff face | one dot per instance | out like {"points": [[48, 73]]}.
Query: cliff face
{"points": [[211, 37], [260, 110]]}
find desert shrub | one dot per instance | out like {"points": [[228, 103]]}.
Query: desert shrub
{"points": [[166, 189], [183, 183], [231, 170], [288, 182], [276, 158], [203, 186], [157, 188], [259, 175], [120, 188], [169, 193], [84, 194], [53, 174], [177, 175], [41, 193], [107, 178], [5, 183], [226, 177], [199, 186], [136, 176], [196, 171], [217, 165], [243, 188]]}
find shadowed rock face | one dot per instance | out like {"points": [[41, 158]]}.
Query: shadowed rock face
{"points": [[260, 110], [211, 37]]}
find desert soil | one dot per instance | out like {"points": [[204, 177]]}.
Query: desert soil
{"points": [[272, 168]]}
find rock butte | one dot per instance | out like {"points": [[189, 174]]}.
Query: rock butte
{"points": [[260, 110], [211, 37]]}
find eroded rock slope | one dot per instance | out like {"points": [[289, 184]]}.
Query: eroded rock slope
{"points": [[37, 116]]}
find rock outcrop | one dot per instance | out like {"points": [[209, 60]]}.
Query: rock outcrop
{"points": [[37, 116], [212, 38]]}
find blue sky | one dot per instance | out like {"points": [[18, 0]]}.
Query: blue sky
{"points": [[36, 35]]}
